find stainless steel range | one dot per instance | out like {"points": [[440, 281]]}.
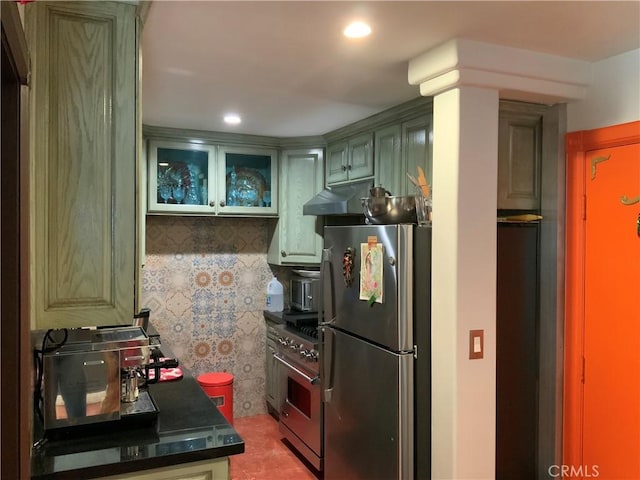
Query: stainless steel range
{"points": [[301, 408]]}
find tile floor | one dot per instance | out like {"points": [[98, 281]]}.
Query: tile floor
{"points": [[266, 456]]}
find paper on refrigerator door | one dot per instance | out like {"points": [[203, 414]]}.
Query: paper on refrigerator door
{"points": [[371, 256]]}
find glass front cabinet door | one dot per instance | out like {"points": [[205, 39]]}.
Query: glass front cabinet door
{"points": [[195, 178], [247, 181]]}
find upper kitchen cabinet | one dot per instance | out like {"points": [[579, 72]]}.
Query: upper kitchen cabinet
{"points": [[350, 160], [519, 156], [383, 147], [400, 149], [83, 162], [179, 176], [388, 157], [247, 181], [416, 152], [297, 239], [200, 178]]}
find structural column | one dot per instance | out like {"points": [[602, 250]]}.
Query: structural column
{"points": [[465, 146], [466, 79]]}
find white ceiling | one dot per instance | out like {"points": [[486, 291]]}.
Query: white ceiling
{"points": [[288, 71]]}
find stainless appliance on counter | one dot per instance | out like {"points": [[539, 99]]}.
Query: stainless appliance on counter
{"points": [[375, 352], [304, 291], [300, 409], [93, 375]]}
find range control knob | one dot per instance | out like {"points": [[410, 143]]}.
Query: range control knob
{"points": [[304, 353]]}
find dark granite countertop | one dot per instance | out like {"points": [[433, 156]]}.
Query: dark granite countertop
{"points": [[274, 316], [287, 314], [189, 428]]}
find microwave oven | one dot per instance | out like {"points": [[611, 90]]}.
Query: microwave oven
{"points": [[304, 294]]}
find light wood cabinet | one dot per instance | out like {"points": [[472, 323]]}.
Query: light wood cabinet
{"points": [[83, 162], [216, 469], [297, 238], [350, 160], [519, 157]]}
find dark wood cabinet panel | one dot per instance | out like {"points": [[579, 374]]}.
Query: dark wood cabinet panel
{"points": [[519, 159]]}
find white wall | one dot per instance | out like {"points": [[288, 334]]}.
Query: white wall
{"points": [[612, 98]]}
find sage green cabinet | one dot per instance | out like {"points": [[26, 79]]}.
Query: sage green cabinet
{"points": [[400, 149], [350, 160], [198, 178], [416, 151], [388, 158], [179, 177], [519, 157], [213, 469], [83, 161], [247, 181], [297, 238], [272, 377]]}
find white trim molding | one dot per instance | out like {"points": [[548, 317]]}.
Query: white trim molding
{"points": [[517, 74]]}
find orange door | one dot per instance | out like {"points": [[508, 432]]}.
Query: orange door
{"points": [[611, 424]]}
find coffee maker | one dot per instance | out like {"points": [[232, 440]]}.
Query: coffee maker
{"points": [[93, 375]]}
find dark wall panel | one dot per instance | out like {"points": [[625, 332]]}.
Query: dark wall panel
{"points": [[517, 351]]}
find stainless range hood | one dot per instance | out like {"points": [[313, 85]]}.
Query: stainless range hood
{"points": [[339, 200]]}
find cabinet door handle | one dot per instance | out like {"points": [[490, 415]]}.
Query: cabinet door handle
{"points": [[283, 253], [344, 168], [349, 167], [212, 203], [222, 203]]}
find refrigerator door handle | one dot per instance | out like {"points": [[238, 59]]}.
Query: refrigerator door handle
{"points": [[326, 310], [327, 363]]}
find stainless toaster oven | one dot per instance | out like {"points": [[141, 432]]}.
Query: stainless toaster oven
{"points": [[80, 372], [304, 294]]}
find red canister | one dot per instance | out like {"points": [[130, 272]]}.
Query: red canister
{"points": [[219, 387]]}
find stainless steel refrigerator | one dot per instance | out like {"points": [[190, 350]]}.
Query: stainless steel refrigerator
{"points": [[375, 352]]}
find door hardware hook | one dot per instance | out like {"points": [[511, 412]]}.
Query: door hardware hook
{"points": [[595, 161], [629, 201]]}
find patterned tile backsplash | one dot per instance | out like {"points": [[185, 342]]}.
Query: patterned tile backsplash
{"points": [[205, 281]]}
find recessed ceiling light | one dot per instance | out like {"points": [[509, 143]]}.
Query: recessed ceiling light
{"points": [[232, 119], [357, 30]]}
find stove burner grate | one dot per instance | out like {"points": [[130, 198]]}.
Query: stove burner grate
{"points": [[302, 323], [310, 331]]}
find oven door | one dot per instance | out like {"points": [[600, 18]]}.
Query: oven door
{"points": [[301, 410]]}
